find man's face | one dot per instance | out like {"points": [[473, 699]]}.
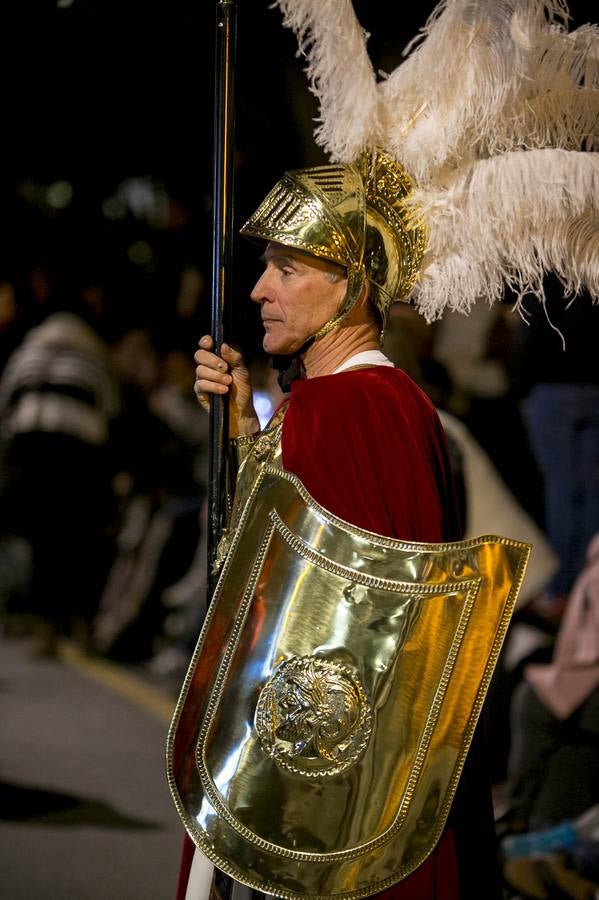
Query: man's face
{"points": [[297, 297]]}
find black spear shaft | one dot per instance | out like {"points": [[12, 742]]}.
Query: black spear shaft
{"points": [[222, 259], [222, 256]]}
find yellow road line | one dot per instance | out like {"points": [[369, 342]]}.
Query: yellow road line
{"points": [[153, 700]]}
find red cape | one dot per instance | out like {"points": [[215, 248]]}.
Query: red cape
{"points": [[368, 446]]}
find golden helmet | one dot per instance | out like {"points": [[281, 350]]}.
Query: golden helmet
{"points": [[354, 215]]}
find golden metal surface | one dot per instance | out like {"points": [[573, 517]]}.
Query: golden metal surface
{"points": [[313, 717], [265, 446], [241, 446], [329, 705]]}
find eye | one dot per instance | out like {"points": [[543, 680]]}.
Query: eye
{"points": [[285, 270]]}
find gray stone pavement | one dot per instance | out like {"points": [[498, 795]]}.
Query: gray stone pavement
{"points": [[85, 810]]}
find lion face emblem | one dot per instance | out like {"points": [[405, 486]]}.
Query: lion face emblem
{"points": [[312, 716]]}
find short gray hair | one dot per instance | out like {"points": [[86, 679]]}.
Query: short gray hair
{"points": [[333, 275]]}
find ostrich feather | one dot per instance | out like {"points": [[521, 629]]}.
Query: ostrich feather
{"points": [[339, 72], [509, 219], [480, 68], [489, 111]]}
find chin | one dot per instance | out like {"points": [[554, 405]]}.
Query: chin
{"points": [[275, 347]]}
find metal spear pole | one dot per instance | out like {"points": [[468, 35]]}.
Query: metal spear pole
{"points": [[224, 148], [220, 310], [223, 887]]}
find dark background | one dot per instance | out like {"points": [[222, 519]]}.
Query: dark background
{"points": [[110, 104], [115, 99]]}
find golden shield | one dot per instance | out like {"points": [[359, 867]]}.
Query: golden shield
{"points": [[331, 699]]}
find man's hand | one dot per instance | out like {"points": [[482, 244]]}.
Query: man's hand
{"points": [[226, 374]]}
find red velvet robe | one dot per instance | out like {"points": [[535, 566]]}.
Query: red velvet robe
{"points": [[368, 446]]}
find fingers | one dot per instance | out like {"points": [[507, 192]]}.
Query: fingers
{"points": [[207, 360], [228, 359], [203, 397], [216, 373], [204, 355], [209, 380]]}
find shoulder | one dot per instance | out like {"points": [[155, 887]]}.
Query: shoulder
{"points": [[379, 410], [361, 392], [376, 398], [368, 446]]}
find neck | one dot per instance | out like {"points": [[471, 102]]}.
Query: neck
{"points": [[333, 349]]}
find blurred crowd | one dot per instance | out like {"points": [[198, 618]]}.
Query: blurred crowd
{"points": [[103, 466], [103, 474]]}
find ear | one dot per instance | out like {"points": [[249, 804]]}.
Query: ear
{"points": [[366, 305], [364, 299]]}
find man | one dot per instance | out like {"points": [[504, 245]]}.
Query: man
{"points": [[366, 444], [59, 403], [297, 296]]}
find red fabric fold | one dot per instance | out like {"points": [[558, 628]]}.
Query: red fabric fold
{"points": [[367, 444], [187, 852]]}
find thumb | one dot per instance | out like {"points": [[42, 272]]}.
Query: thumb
{"points": [[231, 356]]}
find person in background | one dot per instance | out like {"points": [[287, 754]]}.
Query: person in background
{"points": [[559, 384], [161, 443], [59, 400], [551, 840]]}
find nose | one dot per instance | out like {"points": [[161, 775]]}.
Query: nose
{"points": [[261, 291]]}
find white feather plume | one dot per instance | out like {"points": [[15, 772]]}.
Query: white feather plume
{"points": [[339, 72], [489, 111], [509, 219]]}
